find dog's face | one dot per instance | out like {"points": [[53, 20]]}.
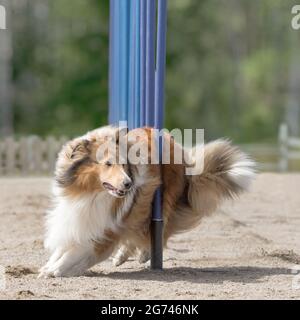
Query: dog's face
{"points": [[115, 178], [80, 169]]}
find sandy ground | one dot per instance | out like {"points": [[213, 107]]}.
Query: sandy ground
{"points": [[248, 250]]}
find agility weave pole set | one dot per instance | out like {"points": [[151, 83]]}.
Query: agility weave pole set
{"points": [[137, 77]]}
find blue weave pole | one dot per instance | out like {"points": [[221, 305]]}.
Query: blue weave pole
{"points": [[137, 78]]}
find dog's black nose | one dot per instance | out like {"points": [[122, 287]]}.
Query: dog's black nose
{"points": [[127, 184]]}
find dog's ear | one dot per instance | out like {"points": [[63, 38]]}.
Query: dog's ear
{"points": [[80, 148]]}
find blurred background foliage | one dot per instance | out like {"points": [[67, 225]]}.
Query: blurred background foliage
{"points": [[229, 67]]}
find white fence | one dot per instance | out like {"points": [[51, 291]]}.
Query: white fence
{"points": [[266, 155], [29, 155], [289, 148], [282, 157], [34, 155]]}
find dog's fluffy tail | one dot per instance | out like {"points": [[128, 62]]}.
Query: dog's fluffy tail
{"points": [[226, 172]]}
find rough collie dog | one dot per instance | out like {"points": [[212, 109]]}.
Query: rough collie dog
{"points": [[101, 204]]}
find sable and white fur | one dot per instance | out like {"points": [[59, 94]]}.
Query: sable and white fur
{"points": [[82, 228], [226, 173], [94, 213]]}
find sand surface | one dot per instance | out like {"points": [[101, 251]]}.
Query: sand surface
{"points": [[250, 249]]}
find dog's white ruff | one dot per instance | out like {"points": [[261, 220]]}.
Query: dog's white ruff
{"points": [[73, 226]]}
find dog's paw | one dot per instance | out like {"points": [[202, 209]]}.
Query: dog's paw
{"points": [[119, 259], [71, 263], [147, 265], [56, 270], [45, 273], [144, 257], [59, 273], [118, 262]]}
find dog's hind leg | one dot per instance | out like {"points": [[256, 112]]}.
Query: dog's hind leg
{"points": [[144, 256], [122, 255], [125, 252]]}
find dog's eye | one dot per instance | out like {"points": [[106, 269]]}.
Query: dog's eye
{"points": [[108, 163]]}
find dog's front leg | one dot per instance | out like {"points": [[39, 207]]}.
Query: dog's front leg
{"points": [[76, 260], [56, 255]]}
